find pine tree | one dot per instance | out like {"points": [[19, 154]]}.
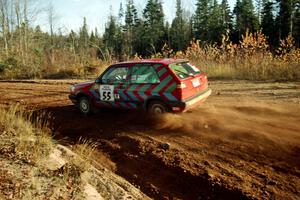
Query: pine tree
{"points": [[211, 20], [131, 23], [201, 19], [84, 35], [92, 38], [237, 11], [153, 27], [110, 35], [72, 42], [296, 29], [268, 23], [259, 9], [245, 18], [178, 36], [288, 17], [226, 17], [215, 23], [121, 14], [131, 18]]}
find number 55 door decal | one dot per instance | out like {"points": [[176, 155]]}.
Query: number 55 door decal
{"points": [[107, 93]]}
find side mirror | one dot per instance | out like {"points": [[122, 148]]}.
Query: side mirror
{"points": [[98, 80]]}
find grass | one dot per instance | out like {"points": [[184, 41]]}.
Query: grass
{"points": [[30, 141], [25, 148], [250, 59], [33, 166]]}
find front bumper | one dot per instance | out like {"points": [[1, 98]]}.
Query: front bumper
{"points": [[182, 106], [73, 98]]}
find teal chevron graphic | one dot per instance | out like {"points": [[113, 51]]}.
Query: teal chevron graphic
{"points": [[162, 84]]}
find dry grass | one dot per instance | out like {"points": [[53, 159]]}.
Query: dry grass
{"points": [[30, 138], [251, 59], [25, 148], [63, 65], [85, 149]]}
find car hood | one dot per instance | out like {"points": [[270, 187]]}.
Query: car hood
{"points": [[83, 85]]}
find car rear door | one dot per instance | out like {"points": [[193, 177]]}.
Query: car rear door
{"points": [[143, 80]]}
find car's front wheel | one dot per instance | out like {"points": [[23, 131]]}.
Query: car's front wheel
{"points": [[157, 107], [85, 106]]}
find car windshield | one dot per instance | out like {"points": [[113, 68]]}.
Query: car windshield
{"points": [[184, 70]]}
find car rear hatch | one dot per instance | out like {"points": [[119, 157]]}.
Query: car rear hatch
{"points": [[192, 80]]}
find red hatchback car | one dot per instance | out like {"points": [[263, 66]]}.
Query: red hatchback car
{"points": [[154, 85]]}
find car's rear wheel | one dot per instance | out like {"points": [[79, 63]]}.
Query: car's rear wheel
{"points": [[85, 106], [157, 107]]}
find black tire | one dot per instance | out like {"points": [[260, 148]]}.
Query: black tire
{"points": [[85, 106], [156, 108]]}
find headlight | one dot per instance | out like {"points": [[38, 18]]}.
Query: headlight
{"points": [[72, 89]]}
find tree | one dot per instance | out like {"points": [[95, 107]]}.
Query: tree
{"points": [[51, 20], [153, 33], [110, 36], [84, 35], [288, 18], [259, 9], [178, 33], [92, 38], [296, 29], [215, 22], [131, 23], [72, 42], [4, 23], [201, 20], [268, 23], [121, 14], [226, 17], [245, 18]]}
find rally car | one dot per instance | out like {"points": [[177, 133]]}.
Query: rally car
{"points": [[154, 85]]}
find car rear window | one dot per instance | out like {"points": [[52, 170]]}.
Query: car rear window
{"points": [[184, 70]]}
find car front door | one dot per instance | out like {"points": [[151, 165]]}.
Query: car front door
{"points": [[110, 87]]}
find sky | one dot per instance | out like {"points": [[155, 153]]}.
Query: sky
{"points": [[69, 14]]}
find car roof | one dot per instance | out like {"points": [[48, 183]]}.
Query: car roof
{"points": [[165, 61]]}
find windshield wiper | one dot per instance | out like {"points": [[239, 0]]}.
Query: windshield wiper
{"points": [[183, 72]]}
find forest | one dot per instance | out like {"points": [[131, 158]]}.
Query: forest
{"points": [[256, 40]]}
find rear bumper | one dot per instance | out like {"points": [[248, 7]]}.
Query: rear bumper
{"points": [[182, 106]]}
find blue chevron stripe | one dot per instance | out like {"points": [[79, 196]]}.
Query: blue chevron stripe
{"points": [[162, 84], [143, 95], [163, 70], [145, 87], [170, 96], [122, 95], [172, 87], [133, 105], [95, 94], [130, 92], [123, 105], [113, 104], [132, 96]]}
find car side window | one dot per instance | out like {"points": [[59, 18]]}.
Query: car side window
{"points": [[115, 75], [143, 74]]}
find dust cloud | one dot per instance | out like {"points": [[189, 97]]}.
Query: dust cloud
{"points": [[252, 123]]}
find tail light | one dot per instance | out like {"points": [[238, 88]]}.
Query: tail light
{"points": [[181, 86]]}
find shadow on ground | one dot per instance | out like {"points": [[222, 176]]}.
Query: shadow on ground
{"points": [[114, 131]]}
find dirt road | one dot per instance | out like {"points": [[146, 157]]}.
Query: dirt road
{"points": [[243, 143]]}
